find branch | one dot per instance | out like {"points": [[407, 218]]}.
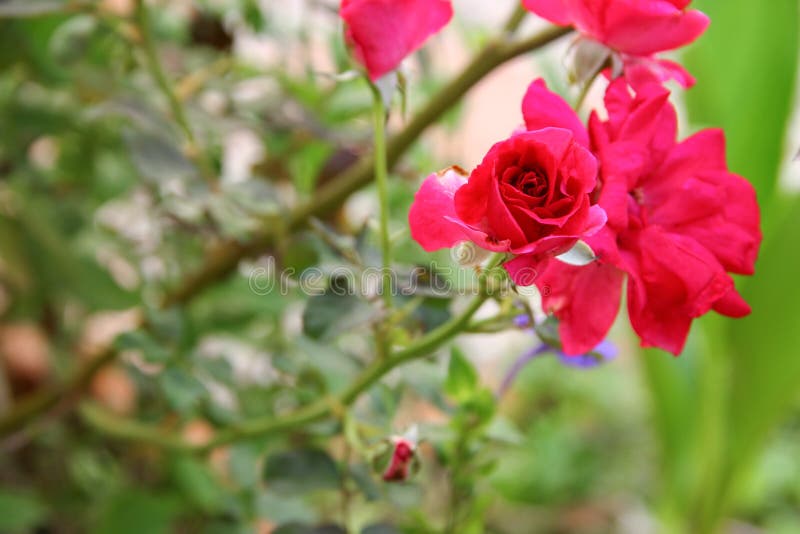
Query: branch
{"points": [[46, 399], [153, 64]]}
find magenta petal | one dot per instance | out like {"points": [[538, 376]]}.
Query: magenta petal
{"points": [[732, 305], [644, 28], [542, 108], [673, 280], [556, 11], [432, 212], [384, 32]]}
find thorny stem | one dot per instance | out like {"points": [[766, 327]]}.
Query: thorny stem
{"points": [[382, 183]]}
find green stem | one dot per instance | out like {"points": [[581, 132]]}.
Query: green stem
{"points": [[494, 324], [153, 64], [382, 183], [157, 70], [515, 20], [131, 430], [45, 400], [583, 94]]}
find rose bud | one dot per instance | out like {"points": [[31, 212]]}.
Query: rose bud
{"points": [[383, 32], [403, 455]]}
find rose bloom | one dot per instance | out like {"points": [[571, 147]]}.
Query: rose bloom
{"points": [[529, 195], [383, 32], [635, 30], [678, 223]]}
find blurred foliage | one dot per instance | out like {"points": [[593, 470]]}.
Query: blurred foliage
{"points": [[106, 203], [716, 408]]}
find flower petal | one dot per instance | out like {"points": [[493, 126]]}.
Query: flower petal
{"points": [[555, 11], [384, 32], [584, 299], [432, 213], [644, 28], [673, 280], [694, 194], [542, 108]]}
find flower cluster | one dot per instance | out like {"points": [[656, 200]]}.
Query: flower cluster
{"points": [[665, 215]]}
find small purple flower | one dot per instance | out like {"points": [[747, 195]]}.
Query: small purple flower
{"points": [[605, 351], [522, 321]]}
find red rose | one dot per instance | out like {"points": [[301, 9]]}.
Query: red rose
{"points": [[529, 195], [383, 32]]}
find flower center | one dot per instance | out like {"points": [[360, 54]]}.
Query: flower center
{"points": [[638, 195], [531, 182]]}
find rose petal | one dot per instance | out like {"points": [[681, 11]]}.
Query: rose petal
{"points": [[542, 108], [673, 280], [556, 11], [584, 299], [432, 212], [644, 28]]}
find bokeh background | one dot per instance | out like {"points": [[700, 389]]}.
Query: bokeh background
{"points": [[106, 203]]}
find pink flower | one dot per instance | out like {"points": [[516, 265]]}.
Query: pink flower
{"points": [[678, 223], [636, 30], [529, 195], [383, 32]]}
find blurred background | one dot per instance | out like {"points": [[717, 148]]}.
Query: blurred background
{"points": [[140, 146]]}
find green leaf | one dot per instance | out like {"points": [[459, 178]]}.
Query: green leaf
{"points": [[183, 391], [242, 460], [70, 42], [140, 340], [381, 528], [307, 163], [279, 507], [301, 471], [327, 315], [298, 528], [20, 512], [58, 268], [766, 344], [136, 512], [745, 67], [198, 484], [158, 158], [462, 379]]}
